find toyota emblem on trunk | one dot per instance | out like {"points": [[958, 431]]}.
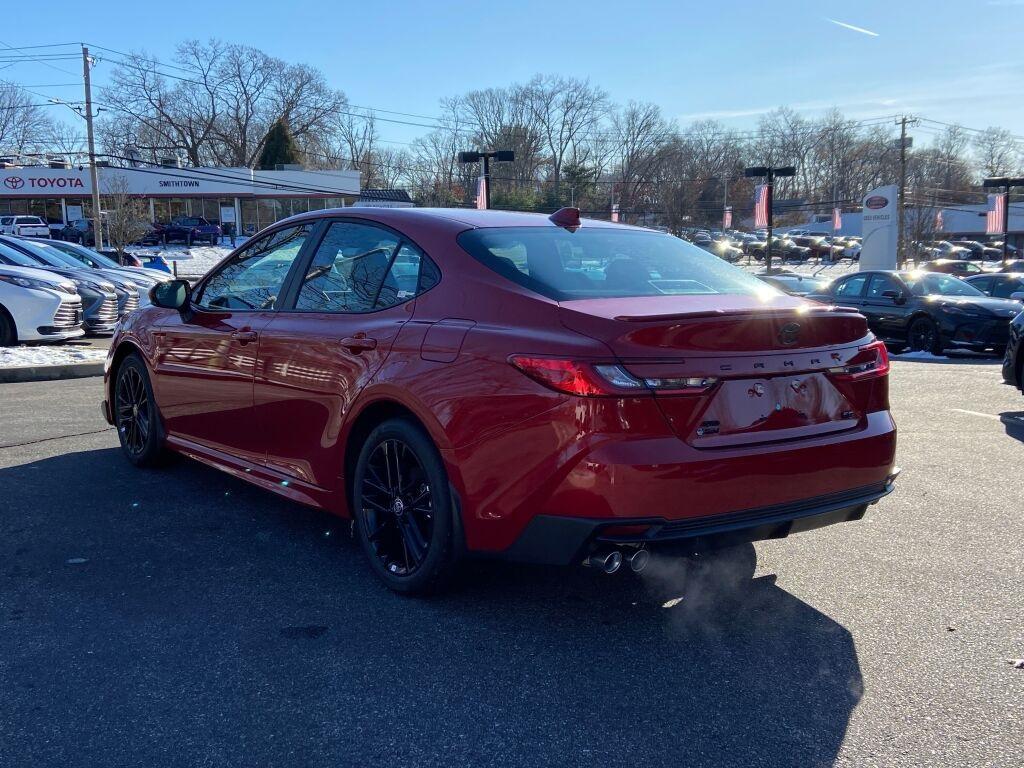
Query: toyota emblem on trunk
{"points": [[789, 334]]}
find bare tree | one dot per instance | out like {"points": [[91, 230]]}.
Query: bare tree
{"points": [[566, 112], [126, 217], [996, 152], [24, 127]]}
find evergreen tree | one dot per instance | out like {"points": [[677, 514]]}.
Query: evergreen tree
{"points": [[279, 147]]}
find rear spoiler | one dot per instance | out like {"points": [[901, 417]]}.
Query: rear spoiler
{"points": [[802, 312]]}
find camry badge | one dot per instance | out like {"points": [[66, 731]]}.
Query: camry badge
{"points": [[789, 334]]}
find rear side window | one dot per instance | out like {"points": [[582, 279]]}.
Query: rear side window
{"points": [[851, 288], [602, 262], [360, 268]]}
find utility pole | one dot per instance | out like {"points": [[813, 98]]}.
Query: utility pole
{"points": [[93, 173], [903, 122]]}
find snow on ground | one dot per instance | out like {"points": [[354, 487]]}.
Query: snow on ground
{"points": [[25, 356], [816, 268], [192, 263]]}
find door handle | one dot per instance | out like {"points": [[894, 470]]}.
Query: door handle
{"points": [[244, 337], [358, 343]]}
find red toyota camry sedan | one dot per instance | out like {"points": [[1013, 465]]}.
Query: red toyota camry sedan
{"points": [[537, 388]]}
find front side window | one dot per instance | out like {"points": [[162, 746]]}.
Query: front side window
{"points": [[880, 284], [605, 263], [352, 272], [1004, 289], [253, 278]]}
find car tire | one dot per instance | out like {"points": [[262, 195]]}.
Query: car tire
{"points": [[895, 349], [136, 415], [8, 330], [923, 336], [403, 510]]}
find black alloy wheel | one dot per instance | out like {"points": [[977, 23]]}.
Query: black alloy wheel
{"points": [[403, 508], [135, 414], [923, 336]]}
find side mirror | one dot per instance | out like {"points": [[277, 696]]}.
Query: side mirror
{"points": [[896, 296], [1018, 295], [172, 294]]}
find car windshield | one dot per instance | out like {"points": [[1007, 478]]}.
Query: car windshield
{"points": [[10, 255], [933, 284], [84, 255], [29, 220], [604, 263], [48, 255]]}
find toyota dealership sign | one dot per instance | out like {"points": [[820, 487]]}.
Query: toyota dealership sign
{"points": [[177, 182]]}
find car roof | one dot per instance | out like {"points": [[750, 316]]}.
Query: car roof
{"points": [[471, 218]]}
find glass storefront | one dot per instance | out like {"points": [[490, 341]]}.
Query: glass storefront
{"points": [[46, 207], [257, 213]]}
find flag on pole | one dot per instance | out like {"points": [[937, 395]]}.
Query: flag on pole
{"points": [[727, 218], [481, 193], [837, 219], [762, 205], [939, 223], [995, 219], [615, 212]]}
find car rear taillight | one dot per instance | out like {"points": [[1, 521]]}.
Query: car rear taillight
{"points": [[584, 379], [870, 362]]}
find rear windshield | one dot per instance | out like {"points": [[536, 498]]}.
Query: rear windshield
{"points": [[29, 220], [604, 263]]}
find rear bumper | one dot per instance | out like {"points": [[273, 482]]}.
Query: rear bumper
{"points": [[553, 540]]}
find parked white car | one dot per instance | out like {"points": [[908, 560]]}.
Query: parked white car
{"points": [[24, 226], [37, 306]]}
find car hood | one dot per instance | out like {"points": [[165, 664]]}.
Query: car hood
{"points": [[126, 276], [32, 272], [999, 307]]}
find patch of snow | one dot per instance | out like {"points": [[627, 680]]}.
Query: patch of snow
{"points": [[919, 354], [26, 357], [815, 268], [191, 263]]}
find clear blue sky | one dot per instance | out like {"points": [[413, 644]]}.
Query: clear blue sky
{"points": [[950, 60]]}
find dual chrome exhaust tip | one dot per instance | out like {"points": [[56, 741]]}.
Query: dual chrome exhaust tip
{"points": [[611, 560]]}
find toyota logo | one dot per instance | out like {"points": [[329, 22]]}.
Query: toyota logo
{"points": [[14, 182], [789, 334]]}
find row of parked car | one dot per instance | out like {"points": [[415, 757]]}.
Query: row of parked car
{"points": [[795, 246], [183, 229], [53, 290]]}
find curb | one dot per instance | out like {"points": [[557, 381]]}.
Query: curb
{"points": [[51, 372]]}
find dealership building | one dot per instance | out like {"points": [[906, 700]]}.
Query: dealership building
{"points": [[243, 198]]}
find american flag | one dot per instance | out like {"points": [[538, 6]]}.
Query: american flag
{"points": [[481, 193], [762, 205], [615, 212], [727, 218], [837, 219], [995, 219], [939, 223]]}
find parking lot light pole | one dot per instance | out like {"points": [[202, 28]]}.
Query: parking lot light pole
{"points": [[1005, 184], [769, 174], [501, 155]]}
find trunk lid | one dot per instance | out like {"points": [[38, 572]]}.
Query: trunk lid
{"points": [[768, 356]]}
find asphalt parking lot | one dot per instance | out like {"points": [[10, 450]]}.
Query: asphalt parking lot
{"points": [[180, 617]]}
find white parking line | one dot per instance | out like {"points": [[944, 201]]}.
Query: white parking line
{"points": [[976, 413]]}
